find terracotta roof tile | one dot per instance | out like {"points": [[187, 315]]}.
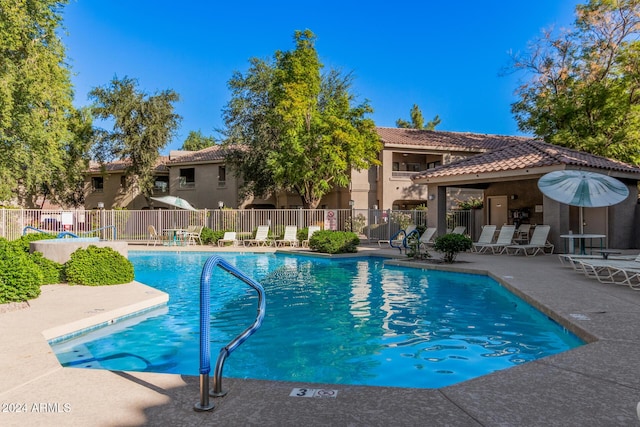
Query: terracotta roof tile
{"points": [[121, 165], [215, 152], [459, 141], [523, 155]]}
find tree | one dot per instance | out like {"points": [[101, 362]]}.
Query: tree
{"points": [[142, 125], [585, 87], [291, 128], [417, 120], [197, 141], [35, 99]]}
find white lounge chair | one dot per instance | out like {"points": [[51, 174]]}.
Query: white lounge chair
{"points": [[618, 272], [460, 229], [290, 236], [537, 245], [426, 239], [486, 238], [505, 238], [261, 239], [229, 237], [310, 230], [522, 234]]}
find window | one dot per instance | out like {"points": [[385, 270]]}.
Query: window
{"points": [[160, 184], [123, 183], [432, 165], [395, 166], [97, 184], [222, 176], [187, 178]]}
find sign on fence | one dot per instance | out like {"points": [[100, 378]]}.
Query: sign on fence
{"points": [[330, 219]]}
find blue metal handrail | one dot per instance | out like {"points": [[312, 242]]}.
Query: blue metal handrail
{"points": [[205, 327], [68, 233]]}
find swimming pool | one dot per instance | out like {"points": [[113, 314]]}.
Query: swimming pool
{"points": [[342, 321]]}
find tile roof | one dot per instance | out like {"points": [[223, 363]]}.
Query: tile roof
{"points": [[459, 141], [213, 153], [121, 165], [526, 154]]}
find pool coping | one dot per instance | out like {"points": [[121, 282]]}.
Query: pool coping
{"points": [[595, 384]]}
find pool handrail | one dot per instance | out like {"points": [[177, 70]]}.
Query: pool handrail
{"points": [[68, 233], [205, 326]]}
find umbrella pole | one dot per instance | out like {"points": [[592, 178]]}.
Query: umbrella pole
{"points": [[581, 216]]}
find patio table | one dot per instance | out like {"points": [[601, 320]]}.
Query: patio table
{"points": [[582, 241]]}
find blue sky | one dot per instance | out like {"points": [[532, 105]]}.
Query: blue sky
{"points": [[445, 56]]}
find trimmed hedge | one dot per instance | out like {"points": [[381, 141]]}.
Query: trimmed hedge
{"points": [[23, 241], [96, 266], [334, 242], [52, 272]]}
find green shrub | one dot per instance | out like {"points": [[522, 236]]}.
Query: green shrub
{"points": [[23, 241], [20, 277], [96, 266], [208, 236], [451, 244], [216, 235], [302, 234], [334, 242], [52, 272]]}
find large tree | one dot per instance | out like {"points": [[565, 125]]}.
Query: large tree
{"points": [[142, 125], [584, 91], [35, 100], [417, 120], [197, 141], [292, 128]]}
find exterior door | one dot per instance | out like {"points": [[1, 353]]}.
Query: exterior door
{"points": [[498, 213]]}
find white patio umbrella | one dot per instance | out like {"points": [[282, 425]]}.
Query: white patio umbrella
{"points": [[175, 201], [583, 189]]}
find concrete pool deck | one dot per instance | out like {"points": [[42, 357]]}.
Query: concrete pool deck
{"points": [[597, 384]]}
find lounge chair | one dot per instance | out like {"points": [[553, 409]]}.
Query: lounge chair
{"points": [[619, 272], [312, 229], [426, 239], [229, 237], [505, 238], [574, 260], [290, 236], [155, 237], [261, 239], [459, 229], [192, 235], [537, 245], [486, 238]]}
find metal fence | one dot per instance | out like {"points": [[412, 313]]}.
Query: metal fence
{"points": [[133, 225]]}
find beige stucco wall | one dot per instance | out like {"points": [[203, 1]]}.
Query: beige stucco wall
{"points": [[112, 195]]}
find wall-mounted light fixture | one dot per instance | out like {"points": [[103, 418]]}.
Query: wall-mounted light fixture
{"points": [[432, 197], [514, 196], [220, 204], [100, 205]]}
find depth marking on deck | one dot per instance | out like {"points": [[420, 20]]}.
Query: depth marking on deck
{"points": [[313, 392]]}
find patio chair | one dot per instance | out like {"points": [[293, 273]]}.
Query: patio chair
{"points": [[427, 237], [574, 260], [538, 243], [155, 237], [522, 234], [486, 238], [229, 237], [460, 229], [192, 235], [312, 229], [261, 239], [619, 272], [290, 236], [505, 238]]}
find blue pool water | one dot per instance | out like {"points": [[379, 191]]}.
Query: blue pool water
{"points": [[342, 321]]}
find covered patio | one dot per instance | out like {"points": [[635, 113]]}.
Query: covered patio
{"points": [[509, 175]]}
